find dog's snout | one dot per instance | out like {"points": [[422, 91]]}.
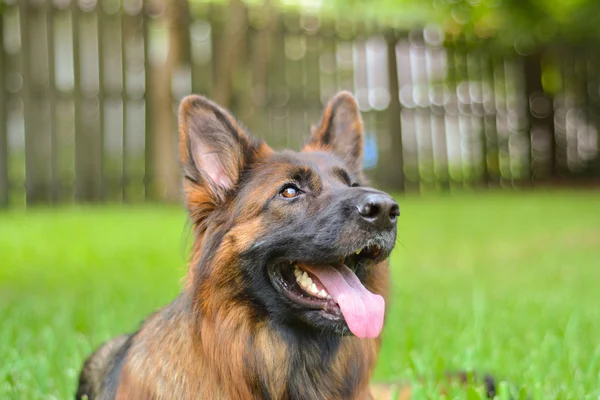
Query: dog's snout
{"points": [[379, 209]]}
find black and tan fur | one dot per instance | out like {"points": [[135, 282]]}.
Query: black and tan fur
{"points": [[230, 334]]}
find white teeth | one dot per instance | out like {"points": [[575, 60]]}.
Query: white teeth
{"points": [[313, 289], [308, 285]]}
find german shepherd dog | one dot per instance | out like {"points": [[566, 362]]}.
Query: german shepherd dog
{"points": [[285, 293]]}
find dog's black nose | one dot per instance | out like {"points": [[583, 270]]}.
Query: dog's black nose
{"points": [[379, 209]]}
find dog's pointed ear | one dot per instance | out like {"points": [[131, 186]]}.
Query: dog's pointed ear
{"points": [[340, 131], [214, 150]]}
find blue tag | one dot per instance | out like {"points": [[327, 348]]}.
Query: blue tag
{"points": [[371, 156]]}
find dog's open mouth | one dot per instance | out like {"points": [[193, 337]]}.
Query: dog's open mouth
{"points": [[335, 290]]}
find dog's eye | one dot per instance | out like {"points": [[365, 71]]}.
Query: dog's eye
{"points": [[355, 185], [290, 191]]}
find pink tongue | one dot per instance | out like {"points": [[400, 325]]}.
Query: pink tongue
{"points": [[362, 310]]}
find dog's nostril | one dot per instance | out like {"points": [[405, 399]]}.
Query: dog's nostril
{"points": [[369, 210], [394, 212]]}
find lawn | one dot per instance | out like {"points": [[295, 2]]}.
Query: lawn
{"points": [[500, 282]]}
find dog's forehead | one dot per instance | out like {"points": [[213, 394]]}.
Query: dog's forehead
{"points": [[320, 162]]}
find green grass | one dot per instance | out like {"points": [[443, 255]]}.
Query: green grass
{"points": [[506, 283]]}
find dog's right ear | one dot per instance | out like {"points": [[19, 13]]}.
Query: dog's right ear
{"points": [[214, 150]]}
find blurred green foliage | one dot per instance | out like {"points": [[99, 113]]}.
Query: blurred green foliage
{"points": [[522, 24], [525, 24]]}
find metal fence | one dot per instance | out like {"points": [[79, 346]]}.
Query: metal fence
{"points": [[89, 91]]}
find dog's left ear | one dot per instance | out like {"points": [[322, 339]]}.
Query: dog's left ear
{"points": [[340, 131]]}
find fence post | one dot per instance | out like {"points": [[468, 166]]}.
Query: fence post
{"points": [[88, 142], [37, 143], [3, 129], [540, 109], [162, 121], [227, 53], [149, 130], [125, 177], [52, 98], [397, 161]]}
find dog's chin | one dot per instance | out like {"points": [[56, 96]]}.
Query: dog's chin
{"points": [[323, 321], [317, 308]]}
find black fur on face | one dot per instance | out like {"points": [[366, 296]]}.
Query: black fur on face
{"points": [[319, 226]]}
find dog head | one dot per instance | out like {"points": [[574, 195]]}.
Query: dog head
{"points": [[299, 237]]}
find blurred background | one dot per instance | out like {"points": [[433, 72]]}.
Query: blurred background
{"points": [[455, 93], [457, 96]]}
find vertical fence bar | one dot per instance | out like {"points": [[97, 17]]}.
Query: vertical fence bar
{"points": [[394, 125], [328, 61], [88, 144], [431, 59], [344, 46], [14, 92], [216, 33], [449, 111], [438, 67], [27, 114], [465, 112], [469, 136], [276, 89], [492, 121], [541, 117], [424, 113], [264, 24], [4, 184], [489, 108], [500, 94], [37, 146], [295, 51], [201, 50], [375, 98], [560, 155], [584, 117], [125, 19], [61, 81], [593, 98], [110, 99], [311, 74], [408, 121], [148, 110], [101, 17], [461, 75], [478, 129], [54, 181], [522, 172], [77, 100]]}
